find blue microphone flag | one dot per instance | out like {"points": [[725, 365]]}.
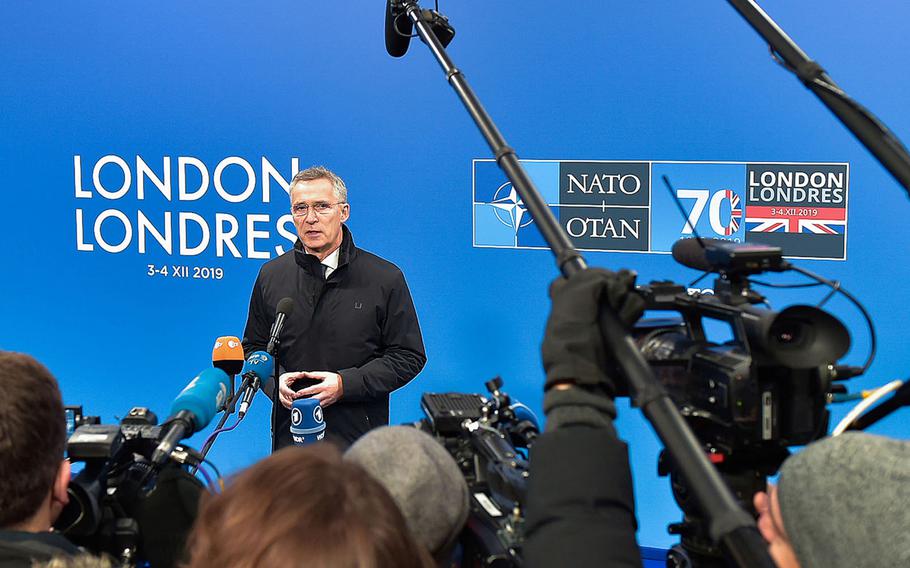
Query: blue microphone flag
{"points": [[307, 424], [203, 397], [259, 363]]}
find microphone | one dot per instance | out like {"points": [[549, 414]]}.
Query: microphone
{"points": [[227, 354], [192, 410], [307, 423], [285, 308], [718, 255], [257, 369], [398, 29]]}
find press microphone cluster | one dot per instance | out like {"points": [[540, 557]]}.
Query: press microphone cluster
{"points": [[208, 393]]}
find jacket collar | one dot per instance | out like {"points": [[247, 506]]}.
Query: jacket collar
{"points": [[347, 252]]}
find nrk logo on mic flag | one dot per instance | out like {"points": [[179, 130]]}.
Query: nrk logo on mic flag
{"points": [[626, 206]]}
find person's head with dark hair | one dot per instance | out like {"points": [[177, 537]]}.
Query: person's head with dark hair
{"points": [[33, 472], [839, 503], [303, 506]]}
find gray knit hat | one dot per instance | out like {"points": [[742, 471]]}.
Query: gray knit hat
{"points": [[845, 502], [423, 479]]}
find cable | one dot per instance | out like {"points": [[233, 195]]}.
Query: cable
{"points": [[794, 285], [215, 433], [699, 279], [207, 477], [220, 478], [837, 287], [213, 466], [860, 408]]}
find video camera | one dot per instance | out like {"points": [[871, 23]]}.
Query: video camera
{"points": [[119, 503], [747, 398], [489, 438]]}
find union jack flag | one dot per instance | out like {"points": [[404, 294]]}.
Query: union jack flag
{"points": [[736, 212], [787, 219]]}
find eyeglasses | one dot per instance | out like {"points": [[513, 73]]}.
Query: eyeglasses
{"points": [[320, 207]]}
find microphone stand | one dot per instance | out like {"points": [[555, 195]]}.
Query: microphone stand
{"points": [[276, 346], [729, 525], [228, 411], [874, 135]]}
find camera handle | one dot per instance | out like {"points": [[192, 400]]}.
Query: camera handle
{"points": [[729, 524]]}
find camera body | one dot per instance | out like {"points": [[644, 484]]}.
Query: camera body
{"points": [[488, 437], [748, 398], [119, 503], [757, 393]]}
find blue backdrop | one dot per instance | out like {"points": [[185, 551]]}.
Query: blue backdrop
{"points": [[128, 130]]}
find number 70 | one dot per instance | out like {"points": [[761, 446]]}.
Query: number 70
{"points": [[714, 202]]}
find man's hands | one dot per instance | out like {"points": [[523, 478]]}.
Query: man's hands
{"points": [[327, 391], [573, 347]]}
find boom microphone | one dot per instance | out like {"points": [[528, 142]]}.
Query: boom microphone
{"points": [[227, 354], [285, 308], [718, 255], [398, 28], [257, 369], [192, 410]]}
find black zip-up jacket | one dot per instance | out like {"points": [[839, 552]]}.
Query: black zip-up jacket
{"points": [[21, 549], [359, 323]]}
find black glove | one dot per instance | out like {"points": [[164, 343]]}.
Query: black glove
{"points": [[573, 347]]}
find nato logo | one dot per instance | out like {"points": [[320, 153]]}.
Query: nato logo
{"points": [[600, 205], [500, 216]]}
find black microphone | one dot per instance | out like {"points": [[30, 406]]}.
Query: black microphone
{"points": [[718, 255], [285, 308], [398, 28]]}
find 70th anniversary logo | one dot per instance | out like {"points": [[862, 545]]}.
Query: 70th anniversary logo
{"points": [[625, 207]]}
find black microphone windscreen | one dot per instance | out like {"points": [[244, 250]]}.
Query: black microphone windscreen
{"points": [[285, 306], [228, 366], [398, 28], [691, 253]]}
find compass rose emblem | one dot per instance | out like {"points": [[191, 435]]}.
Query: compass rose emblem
{"points": [[509, 208]]}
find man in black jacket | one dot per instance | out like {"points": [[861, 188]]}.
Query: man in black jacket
{"points": [[353, 335], [33, 474]]}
